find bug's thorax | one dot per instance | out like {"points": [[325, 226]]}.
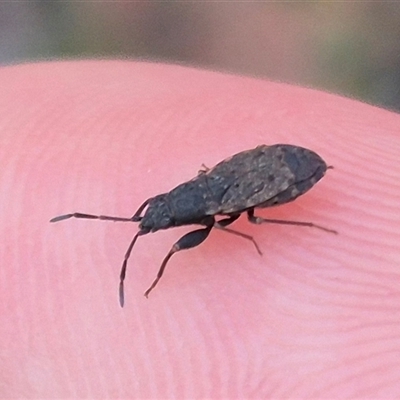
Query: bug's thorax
{"points": [[186, 204]]}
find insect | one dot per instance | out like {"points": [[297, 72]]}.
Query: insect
{"points": [[262, 177]]}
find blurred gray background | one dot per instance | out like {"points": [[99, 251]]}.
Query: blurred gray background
{"points": [[350, 48]]}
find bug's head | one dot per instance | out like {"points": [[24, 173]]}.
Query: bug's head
{"points": [[157, 215]]}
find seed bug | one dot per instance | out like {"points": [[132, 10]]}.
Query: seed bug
{"points": [[262, 177]]}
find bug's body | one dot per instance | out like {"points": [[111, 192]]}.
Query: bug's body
{"points": [[246, 180], [262, 177]]}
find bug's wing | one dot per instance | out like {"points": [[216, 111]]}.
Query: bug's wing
{"points": [[264, 176]]}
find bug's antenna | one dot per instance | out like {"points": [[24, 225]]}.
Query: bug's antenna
{"points": [[124, 265], [90, 216]]}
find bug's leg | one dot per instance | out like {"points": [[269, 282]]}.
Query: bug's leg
{"points": [[258, 220], [125, 264], [223, 223], [188, 241], [203, 170], [226, 221]]}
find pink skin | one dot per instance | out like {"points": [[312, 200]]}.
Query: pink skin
{"points": [[317, 316]]}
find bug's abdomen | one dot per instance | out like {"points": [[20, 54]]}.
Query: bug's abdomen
{"points": [[265, 176]]}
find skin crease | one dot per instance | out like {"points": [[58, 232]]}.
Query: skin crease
{"points": [[317, 316]]}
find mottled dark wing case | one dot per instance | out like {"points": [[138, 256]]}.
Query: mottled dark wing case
{"points": [[262, 177]]}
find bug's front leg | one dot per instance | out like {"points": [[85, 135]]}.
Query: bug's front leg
{"points": [[188, 241], [259, 220], [125, 264]]}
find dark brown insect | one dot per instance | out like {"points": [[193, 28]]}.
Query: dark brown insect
{"points": [[263, 177]]}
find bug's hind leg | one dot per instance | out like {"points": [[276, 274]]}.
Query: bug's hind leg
{"points": [[259, 220], [188, 241]]}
